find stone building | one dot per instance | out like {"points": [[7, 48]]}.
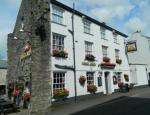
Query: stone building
{"points": [[99, 52]]}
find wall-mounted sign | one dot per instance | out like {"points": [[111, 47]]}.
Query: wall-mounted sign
{"points": [[131, 46]]}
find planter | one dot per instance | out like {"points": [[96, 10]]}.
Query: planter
{"points": [[106, 59], [60, 94], [108, 65], [89, 57], [126, 77], [82, 80], [91, 88], [118, 61], [60, 53]]}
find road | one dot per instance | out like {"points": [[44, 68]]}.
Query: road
{"points": [[138, 104]]}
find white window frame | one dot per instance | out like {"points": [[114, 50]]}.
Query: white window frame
{"points": [[58, 80], [90, 78], [117, 53], [88, 47], [87, 26], [58, 41], [115, 38], [103, 33], [59, 13], [105, 51]]}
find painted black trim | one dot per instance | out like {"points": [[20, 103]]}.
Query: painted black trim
{"points": [[87, 17]]}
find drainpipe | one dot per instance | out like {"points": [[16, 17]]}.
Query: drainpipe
{"points": [[74, 58]]}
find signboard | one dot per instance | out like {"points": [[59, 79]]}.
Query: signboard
{"points": [[131, 46]]}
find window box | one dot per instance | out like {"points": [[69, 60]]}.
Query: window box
{"points": [[106, 59], [91, 88], [60, 53], [118, 61], [60, 93], [89, 57]]}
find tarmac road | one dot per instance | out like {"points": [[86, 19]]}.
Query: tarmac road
{"points": [[138, 104]]}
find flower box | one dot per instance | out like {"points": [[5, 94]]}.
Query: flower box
{"points": [[60, 53], [106, 59], [118, 61], [60, 93], [89, 57], [82, 80], [91, 88]]}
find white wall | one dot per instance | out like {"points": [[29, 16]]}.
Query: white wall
{"points": [[80, 38]]}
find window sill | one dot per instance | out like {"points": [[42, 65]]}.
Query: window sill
{"points": [[59, 24], [89, 33]]}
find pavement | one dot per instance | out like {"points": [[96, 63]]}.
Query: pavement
{"points": [[69, 107]]}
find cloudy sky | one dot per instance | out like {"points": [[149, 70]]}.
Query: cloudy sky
{"points": [[126, 16]]}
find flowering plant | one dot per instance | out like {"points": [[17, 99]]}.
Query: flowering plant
{"points": [[120, 84], [126, 77], [106, 59], [60, 53], [118, 61], [89, 57], [60, 93], [82, 80], [91, 88]]}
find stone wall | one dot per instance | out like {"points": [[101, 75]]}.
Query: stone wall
{"points": [[37, 66]]}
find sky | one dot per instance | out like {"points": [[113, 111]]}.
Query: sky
{"points": [[126, 16]]}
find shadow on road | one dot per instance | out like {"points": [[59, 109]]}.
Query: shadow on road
{"points": [[120, 106]]}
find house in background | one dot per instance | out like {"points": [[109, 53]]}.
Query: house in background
{"points": [[3, 72], [138, 52]]}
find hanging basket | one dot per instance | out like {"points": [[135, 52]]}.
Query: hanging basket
{"points": [[82, 80]]}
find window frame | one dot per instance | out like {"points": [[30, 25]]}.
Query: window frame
{"points": [[57, 15], [88, 47], [105, 53], [115, 38], [59, 80], [103, 32], [58, 41], [90, 79], [87, 26]]}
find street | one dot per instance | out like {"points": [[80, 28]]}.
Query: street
{"points": [[138, 104]]}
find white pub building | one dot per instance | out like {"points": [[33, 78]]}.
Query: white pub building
{"points": [[98, 50]]}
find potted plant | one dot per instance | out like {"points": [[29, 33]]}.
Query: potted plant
{"points": [[82, 80], [126, 77], [118, 61], [89, 57], [106, 59], [60, 53], [91, 88], [60, 93]]}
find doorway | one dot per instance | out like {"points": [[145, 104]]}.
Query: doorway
{"points": [[108, 82]]}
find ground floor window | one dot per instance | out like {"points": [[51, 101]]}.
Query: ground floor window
{"points": [[58, 80], [90, 78], [2, 89]]}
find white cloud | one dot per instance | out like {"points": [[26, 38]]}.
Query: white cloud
{"points": [[135, 24]]}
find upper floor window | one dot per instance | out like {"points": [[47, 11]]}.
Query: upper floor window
{"points": [[58, 41], [115, 37], [117, 53], [103, 31], [57, 15], [87, 26], [58, 80], [104, 50], [88, 47]]}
